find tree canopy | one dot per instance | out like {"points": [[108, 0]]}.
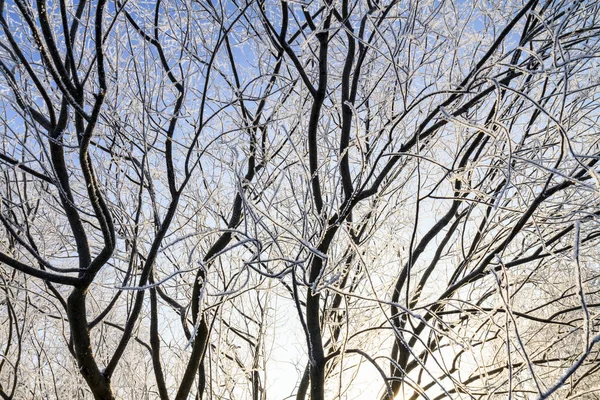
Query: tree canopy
{"points": [[336, 199]]}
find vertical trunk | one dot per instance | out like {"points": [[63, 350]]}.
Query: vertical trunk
{"points": [[195, 363], [316, 354], [303, 387], [97, 382]]}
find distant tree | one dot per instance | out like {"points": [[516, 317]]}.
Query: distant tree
{"points": [[411, 186]]}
